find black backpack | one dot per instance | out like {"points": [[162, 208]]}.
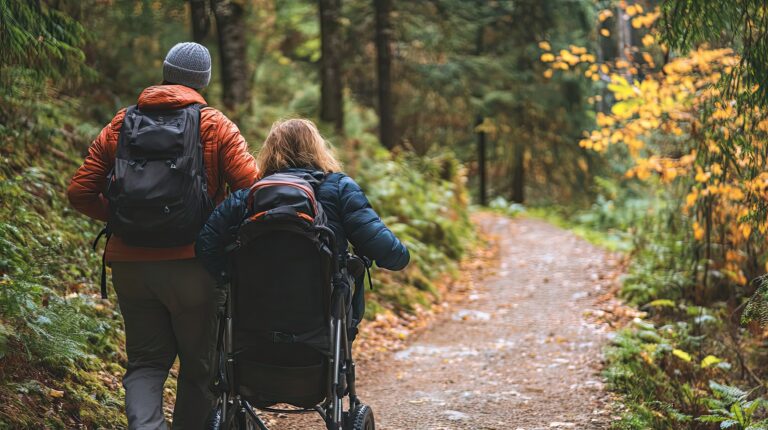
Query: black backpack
{"points": [[286, 201], [157, 191]]}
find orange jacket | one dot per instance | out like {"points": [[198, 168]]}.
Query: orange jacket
{"points": [[225, 155]]}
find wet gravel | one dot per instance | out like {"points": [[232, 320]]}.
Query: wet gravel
{"points": [[516, 354]]}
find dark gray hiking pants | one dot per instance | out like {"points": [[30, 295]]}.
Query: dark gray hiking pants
{"points": [[169, 309]]}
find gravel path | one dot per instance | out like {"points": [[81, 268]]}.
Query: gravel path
{"points": [[516, 354]]}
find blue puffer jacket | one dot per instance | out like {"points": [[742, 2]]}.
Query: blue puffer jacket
{"points": [[349, 213]]}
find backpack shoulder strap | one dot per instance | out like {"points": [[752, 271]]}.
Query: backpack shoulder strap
{"points": [[106, 233], [127, 130], [196, 106]]}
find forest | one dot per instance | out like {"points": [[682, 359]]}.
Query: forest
{"points": [[637, 125]]}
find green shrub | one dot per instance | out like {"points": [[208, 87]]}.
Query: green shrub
{"points": [[424, 201]]}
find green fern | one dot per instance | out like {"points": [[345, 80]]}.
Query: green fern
{"points": [[731, 409], [756, 309], [727, 394], [41, 38]]}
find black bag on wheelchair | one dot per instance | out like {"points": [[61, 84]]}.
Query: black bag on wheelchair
{"points": [[281, 290]]}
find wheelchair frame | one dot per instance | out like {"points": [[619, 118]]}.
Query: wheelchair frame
{"points": [[236, 413]]}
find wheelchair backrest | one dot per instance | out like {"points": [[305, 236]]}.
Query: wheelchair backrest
{"points": [[281, 283]]}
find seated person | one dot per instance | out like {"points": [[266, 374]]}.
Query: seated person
{"points": [[295, 145]]}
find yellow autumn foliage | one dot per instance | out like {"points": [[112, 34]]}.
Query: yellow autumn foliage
{"points": [[678, 127]]}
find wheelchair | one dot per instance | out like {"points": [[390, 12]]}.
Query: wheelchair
{"points": [[286, 328]]}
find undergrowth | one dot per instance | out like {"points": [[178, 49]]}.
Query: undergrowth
{"points": [[56, 336], [688, 364], [425, 203]]}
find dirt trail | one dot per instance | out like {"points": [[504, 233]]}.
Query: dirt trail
{"points": [[517, 354]]}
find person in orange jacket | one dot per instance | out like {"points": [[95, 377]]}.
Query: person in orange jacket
{"points": [[167, 299]]}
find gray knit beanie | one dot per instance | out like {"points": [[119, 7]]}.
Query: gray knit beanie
{"points": [[188, 64]]}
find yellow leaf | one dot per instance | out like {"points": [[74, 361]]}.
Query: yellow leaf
{"points": [[679, 353], [55, 393], [569, 58], [660, 303], [621, 109], [669, 174], [617, 136], [621, 88], [605, 32], [548, 73], [701, 175], [710, 360], [547, 57], [487, 126], [746, 230], [545, 45], [578, 50], [698, 231], [691, 198], [604, 14], [604, 120], [648, 59], [648, 40]]}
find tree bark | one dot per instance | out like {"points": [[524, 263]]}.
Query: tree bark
{"points": [[518, 173], [384, 72], [623, 37], [201, 19], [331, 100], [230, 26], [481, 162]]}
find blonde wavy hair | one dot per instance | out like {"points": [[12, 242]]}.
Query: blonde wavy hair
{"points": [[296, 143]]}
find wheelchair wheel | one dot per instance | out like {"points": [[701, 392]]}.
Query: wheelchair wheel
{"points": [[236, 420], [361, 418]]}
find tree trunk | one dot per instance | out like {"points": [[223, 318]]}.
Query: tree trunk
{"points": [[384, 71], [518, 173], [332, 102], [230, 26], [481, 163], [201, 19], [479, 45], [623, 37]]}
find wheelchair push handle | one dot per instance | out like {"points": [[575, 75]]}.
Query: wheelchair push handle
{"points": [[357, 264]]}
